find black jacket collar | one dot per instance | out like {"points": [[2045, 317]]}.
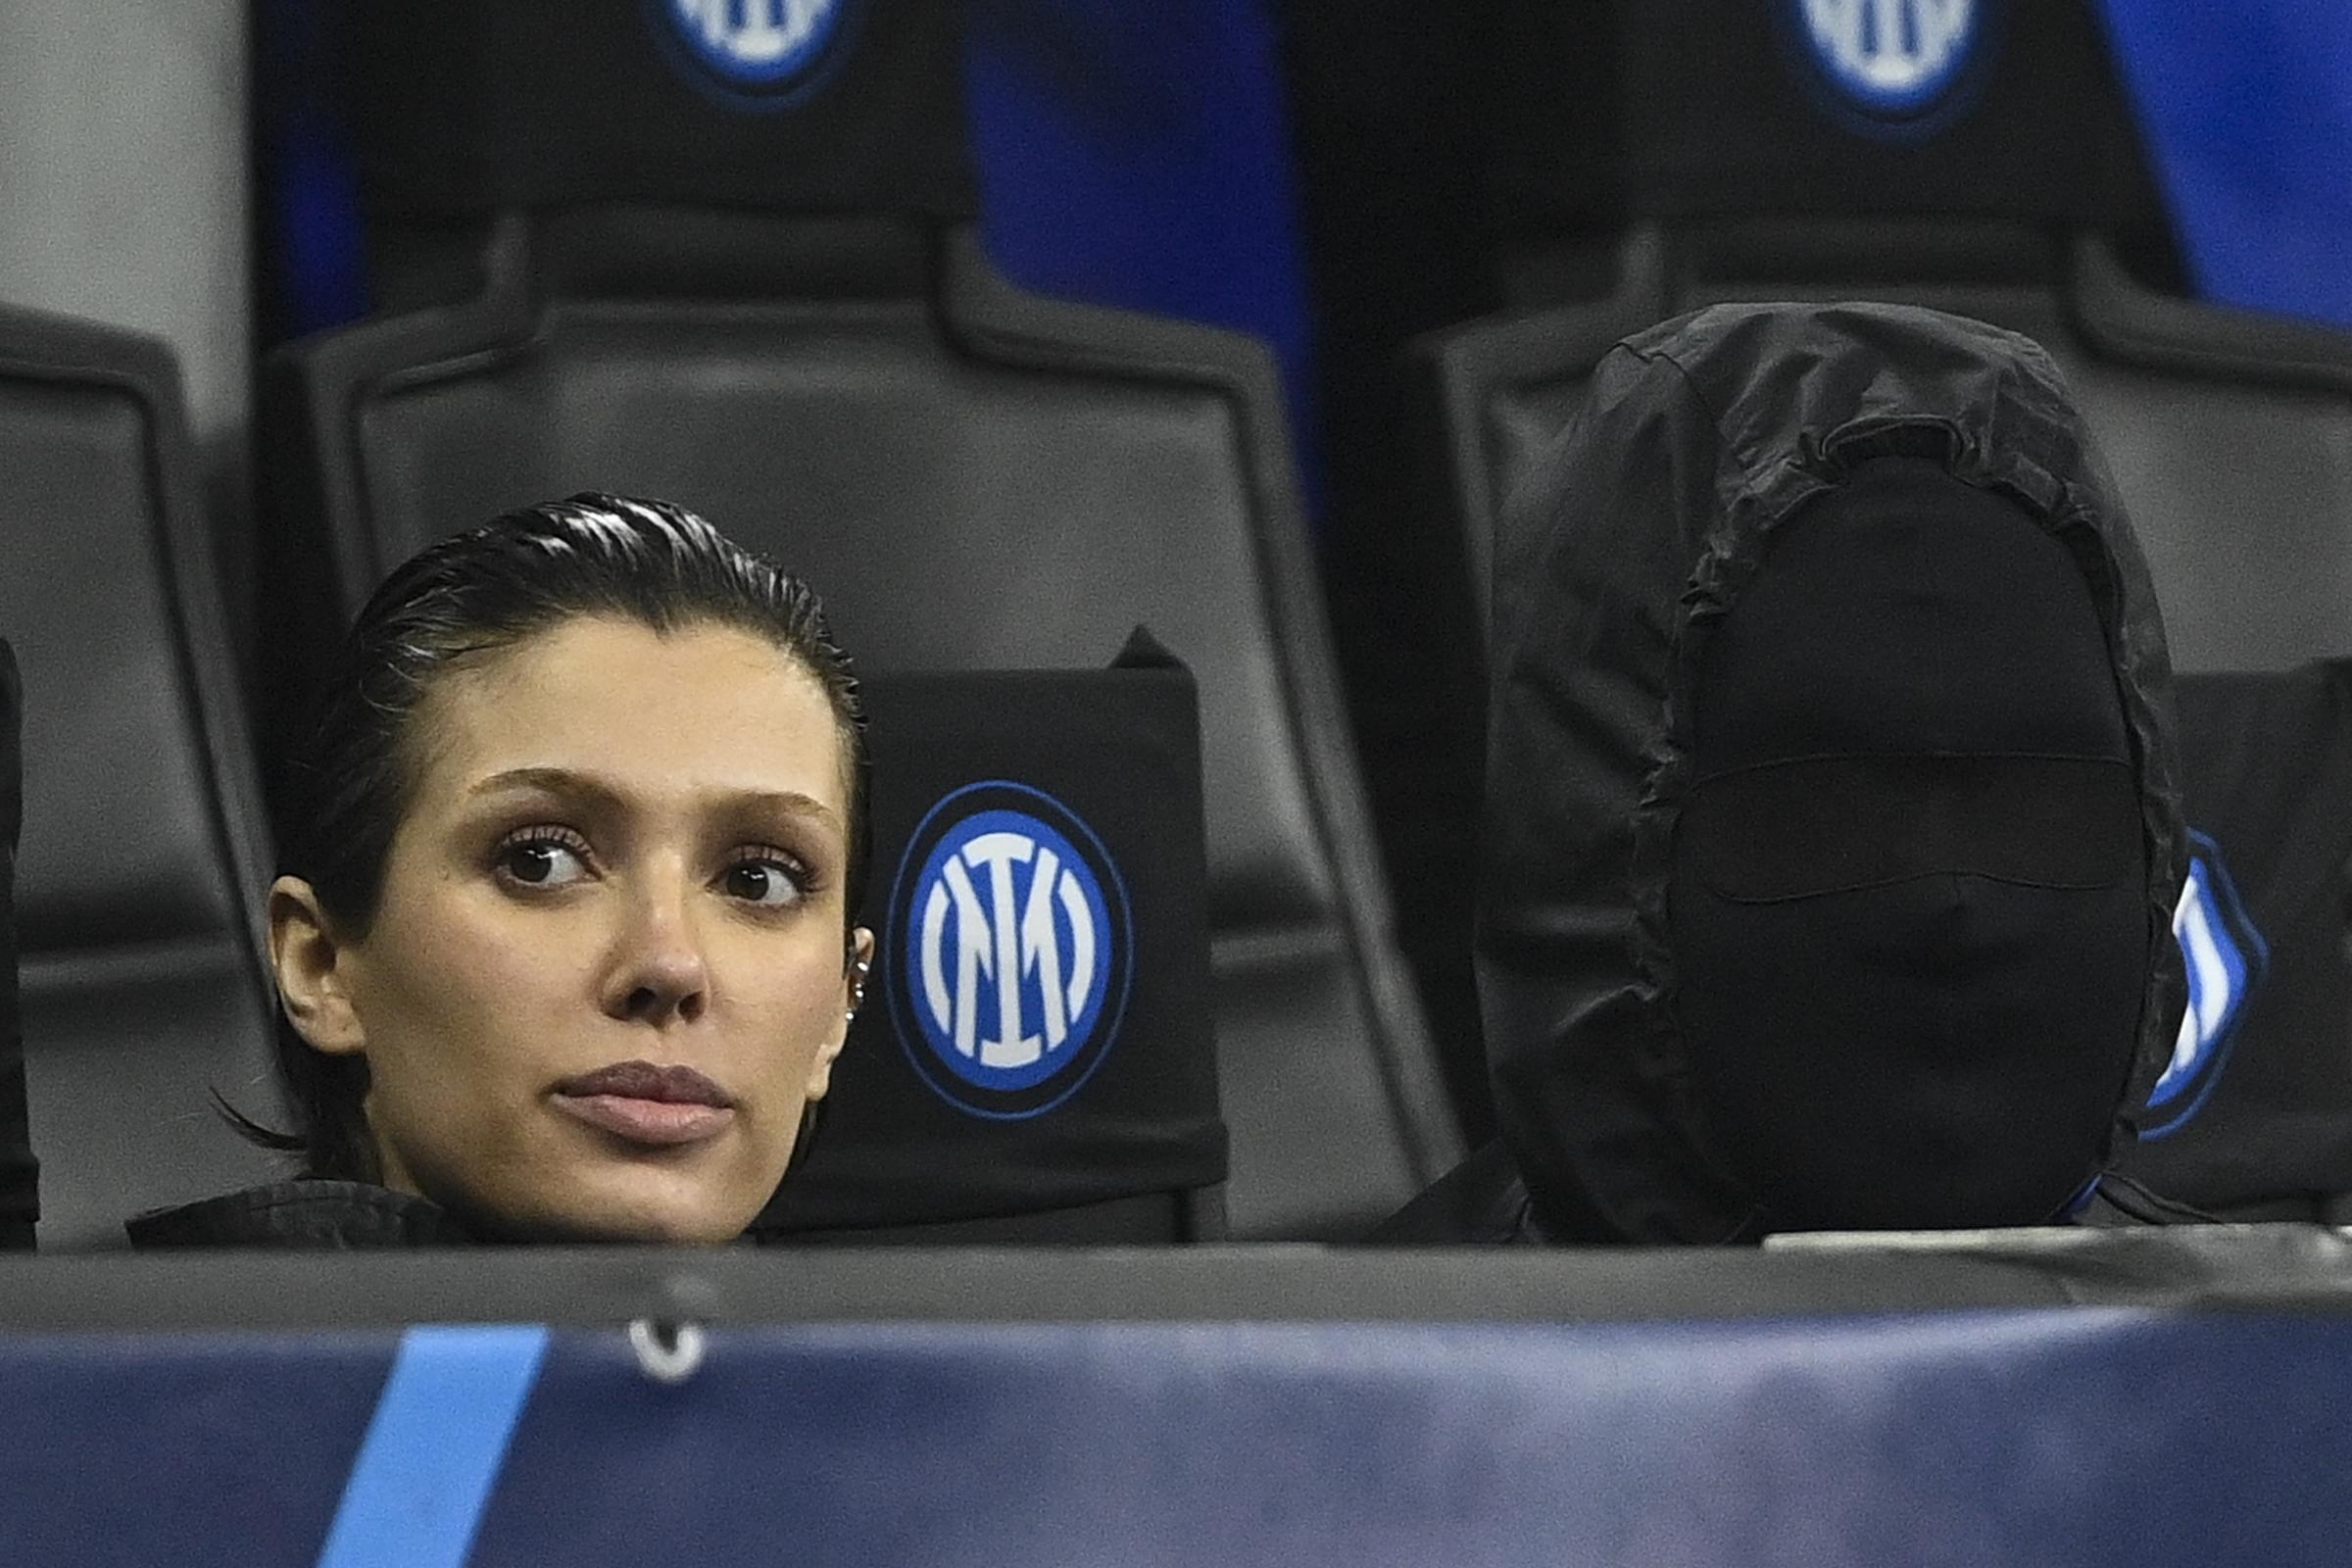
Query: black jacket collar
{"points": [[302, 1213]]}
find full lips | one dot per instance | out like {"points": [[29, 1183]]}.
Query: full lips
{"points": [[652, 1122], [647, 1105]]}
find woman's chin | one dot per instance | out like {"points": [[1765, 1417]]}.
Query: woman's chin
{"points": [[620, 1212]]}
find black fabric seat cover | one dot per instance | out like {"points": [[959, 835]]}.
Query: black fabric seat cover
{"points": [[459, 106], [2255, 1116], [1108, 1132], [1732, 111], [1594, 113]]}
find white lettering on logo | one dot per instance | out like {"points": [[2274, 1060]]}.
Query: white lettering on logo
{"points": [[1007, 935], [756, 33], [2208, 983], [1890, 46]]}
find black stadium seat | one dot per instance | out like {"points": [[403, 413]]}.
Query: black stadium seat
{"points": [[2024, 202], [143, 860], [2023, 199], [974, 478]]}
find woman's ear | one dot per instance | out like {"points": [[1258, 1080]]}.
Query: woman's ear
{"points": [[311, 977], [852, 992]]}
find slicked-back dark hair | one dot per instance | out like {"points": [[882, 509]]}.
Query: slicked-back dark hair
{"points": [[476, 594]]}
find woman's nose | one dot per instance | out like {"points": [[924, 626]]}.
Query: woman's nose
{"points": [[661, 972]]}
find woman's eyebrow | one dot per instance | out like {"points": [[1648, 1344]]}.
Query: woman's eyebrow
{"points": [[790, 802], [587, 786], [549, 780]]}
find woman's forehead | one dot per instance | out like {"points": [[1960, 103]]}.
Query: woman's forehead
{"points": [[696, 711]]}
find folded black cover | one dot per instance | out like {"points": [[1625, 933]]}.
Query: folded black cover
{"points": [[2256, 1113], [1042, 828]]}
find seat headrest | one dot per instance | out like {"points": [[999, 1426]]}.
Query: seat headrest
{"points": [[1983, 109], [465, 106]]}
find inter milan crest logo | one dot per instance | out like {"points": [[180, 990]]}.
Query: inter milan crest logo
{"points": [[2225, 957], [1015, 950], [1892, 60], [761, 50]]}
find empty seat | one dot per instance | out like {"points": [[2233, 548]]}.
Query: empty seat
{"points": [[143, 860], [974, 476]]}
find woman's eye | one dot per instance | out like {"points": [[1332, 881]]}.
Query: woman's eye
{"points": [[772, 883], [542, 862]]}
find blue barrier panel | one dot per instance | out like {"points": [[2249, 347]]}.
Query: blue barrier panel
{"points": [[2083, 1437], [433, 1451], [189, 1450]]}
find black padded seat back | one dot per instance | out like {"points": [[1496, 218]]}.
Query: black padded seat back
{"points": [[2230, 434], [2017, 113], [974, 478], [142, 864], [1602, 113], [461, 107]]}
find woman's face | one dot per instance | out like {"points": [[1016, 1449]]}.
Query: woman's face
{"points": [[607, 971]]}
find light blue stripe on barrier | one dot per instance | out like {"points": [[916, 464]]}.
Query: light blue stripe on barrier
{"points": [[433, 1451]]}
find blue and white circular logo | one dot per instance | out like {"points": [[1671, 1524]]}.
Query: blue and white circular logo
{"points": [[1015, 950], [2227, 958], [1891, 59], [758, 48]]}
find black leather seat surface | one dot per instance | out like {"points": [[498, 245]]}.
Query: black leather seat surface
{"points": [[141, 869], [2231, 436], [2020, 193]]}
